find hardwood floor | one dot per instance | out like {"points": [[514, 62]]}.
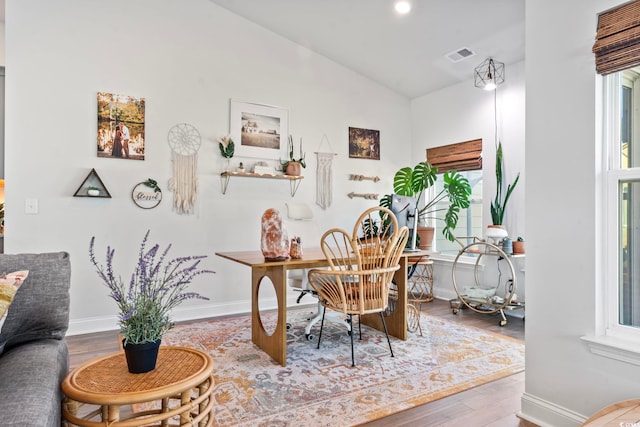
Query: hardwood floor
{"points": [[493, 405]]}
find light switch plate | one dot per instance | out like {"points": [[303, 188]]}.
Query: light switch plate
{"points": [[31, 206]]}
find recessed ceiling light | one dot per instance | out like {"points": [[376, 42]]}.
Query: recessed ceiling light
{"points": [[403, 6]]}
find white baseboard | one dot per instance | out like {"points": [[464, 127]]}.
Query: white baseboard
{"points": [[445, 294], [547, 414], [90, 325]]}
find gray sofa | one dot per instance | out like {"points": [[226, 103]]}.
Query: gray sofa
{"points": [[33, 352]]}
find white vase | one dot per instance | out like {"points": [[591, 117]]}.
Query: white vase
{"points": [[495, 233]]}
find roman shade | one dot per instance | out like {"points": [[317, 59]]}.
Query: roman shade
{"points": [[462, 156], [617, 45]]}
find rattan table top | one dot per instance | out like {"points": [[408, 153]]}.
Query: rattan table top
{"points": [[106, 380]]}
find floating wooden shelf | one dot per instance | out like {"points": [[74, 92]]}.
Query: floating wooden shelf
{"points": [[294, 181]]}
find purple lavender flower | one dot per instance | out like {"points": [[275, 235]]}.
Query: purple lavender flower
{"points": [[155, 288]]}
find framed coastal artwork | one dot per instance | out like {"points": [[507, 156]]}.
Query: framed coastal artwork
{"points": [[259, 130], [120, 126], [364, 143]]}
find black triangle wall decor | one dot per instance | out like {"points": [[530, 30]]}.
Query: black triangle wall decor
{"points": [[92, 186]]}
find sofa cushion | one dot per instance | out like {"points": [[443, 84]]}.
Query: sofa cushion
{"points": [[9, 285], [30, 378], [40, 309]]}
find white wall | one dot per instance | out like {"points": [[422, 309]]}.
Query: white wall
{"points": [[461, 113], [187, 59], [564, 381]]}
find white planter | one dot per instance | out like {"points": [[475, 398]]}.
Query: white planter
{"points": [[93, 193]]}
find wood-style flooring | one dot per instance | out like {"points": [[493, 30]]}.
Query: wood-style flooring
{"points": [[493, 405]]}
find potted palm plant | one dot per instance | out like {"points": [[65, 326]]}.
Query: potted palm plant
{"points": [[155, 288], [415, 182]]}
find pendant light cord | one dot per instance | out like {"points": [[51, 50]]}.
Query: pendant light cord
{"points": [[495, 119]]}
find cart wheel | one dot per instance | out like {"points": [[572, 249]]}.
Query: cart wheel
{"points": [[288, 326], [502, 323], [309, 337], [455, 311]]}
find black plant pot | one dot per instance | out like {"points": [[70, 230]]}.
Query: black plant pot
{"points": [[141, 358]]}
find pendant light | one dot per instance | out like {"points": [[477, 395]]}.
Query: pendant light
{"points": [[489, 74]]}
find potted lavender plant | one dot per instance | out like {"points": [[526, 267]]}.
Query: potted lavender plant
{"points": [[155, 288]]}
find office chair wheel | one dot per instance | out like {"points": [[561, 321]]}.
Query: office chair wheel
{"points": [[309, 337]]}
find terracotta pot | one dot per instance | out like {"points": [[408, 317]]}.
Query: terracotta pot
{"points": [[293, 169], [426, 237], [518, 247]]}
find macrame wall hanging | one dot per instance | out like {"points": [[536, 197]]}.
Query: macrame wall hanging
{"points": [[184, 141], [324, 175]]}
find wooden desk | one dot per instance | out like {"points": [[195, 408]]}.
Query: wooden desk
{"points": [[276, 344]]}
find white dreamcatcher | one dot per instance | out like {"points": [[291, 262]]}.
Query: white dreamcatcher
{"points": [[184, 141]]}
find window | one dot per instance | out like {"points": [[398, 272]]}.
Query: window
{"points": [[617, 52], [622, 192], [466, 159], [470, 219]]}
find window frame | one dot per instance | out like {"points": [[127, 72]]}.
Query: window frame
{"points": [[612, 339]]}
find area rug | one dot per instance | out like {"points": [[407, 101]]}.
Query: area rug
{"points": [[318, 387]]}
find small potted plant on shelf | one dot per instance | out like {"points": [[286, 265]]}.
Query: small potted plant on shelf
{"points": [[415, 183], [293, 166], [227, 148], [93, 191], [518, 246], [145, 303]]}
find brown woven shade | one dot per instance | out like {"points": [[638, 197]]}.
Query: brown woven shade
{"points": [[617, 45], [463, 156]]}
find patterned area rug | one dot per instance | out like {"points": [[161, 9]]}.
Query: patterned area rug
{"points": [[320, 388]]}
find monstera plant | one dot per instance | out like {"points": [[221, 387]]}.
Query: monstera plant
{"points": [[417, 182]]}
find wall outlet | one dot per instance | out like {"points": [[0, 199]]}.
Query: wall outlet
{"points": [[31, 206]]}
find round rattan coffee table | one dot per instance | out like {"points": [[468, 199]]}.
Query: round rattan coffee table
{"points": [[177, 392]]}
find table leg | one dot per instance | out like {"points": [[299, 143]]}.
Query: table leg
{"points": [[274, 345], [70, 406], [397, 320], [113, 413], [164, 408], [185, 417]]}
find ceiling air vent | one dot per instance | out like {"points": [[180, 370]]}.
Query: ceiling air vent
{"points": [[460, 54]]}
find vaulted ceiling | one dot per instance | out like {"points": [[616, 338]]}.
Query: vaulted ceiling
{"points": [[408, 53]]}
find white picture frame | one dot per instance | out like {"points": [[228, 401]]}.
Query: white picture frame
{"points": [[259, 130]]}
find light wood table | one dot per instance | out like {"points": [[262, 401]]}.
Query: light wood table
{"points": [[180, 386], [275, 344], [620, 414]]}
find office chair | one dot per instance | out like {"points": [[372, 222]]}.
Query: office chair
{"points": [[299, 222]]}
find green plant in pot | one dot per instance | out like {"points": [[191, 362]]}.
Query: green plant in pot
{"points": [[417, 181], [293, 166], [156, 287], [499, 205], [518, 246]]}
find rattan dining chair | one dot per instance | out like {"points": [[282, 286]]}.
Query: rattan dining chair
{"points": [[361, 270]]}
